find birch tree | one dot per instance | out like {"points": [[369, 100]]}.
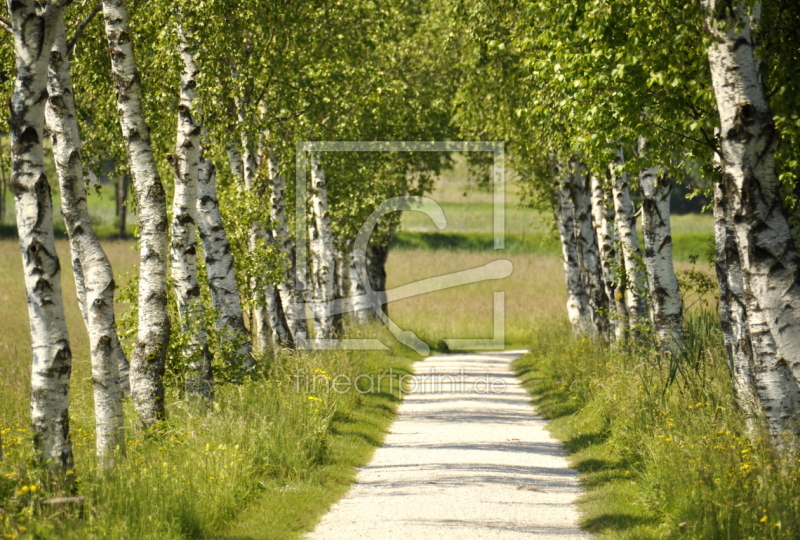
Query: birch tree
{"points": [[94, 278], [361, 307], [587, 249], [625, 221], [147, 365], [35, 27], [769, 264], [269, 326], [733, 311], [220, 266], [666, 309], [577, 299], [603, 220], [287, 291], [258, 235], [321, 249], [186, 164]]}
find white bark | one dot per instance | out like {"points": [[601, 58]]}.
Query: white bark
{"points": [[603, 220], [577, 300], [769, 261], [342, 282], [93, 274], [321, 249], [220, 267], [733, 313], [587, 250], [625, 221], [665, 300], [147, 365], [35, 28], [277, 319], [362, 311], [185, 164], [289, 296]]}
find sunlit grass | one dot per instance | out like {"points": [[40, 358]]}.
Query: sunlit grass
{"points": [[266, 459], [659, 460]]}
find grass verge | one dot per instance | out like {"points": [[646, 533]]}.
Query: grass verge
{"points": [[661, 446], [265, 462]]}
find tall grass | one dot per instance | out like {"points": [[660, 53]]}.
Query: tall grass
{"points": [[206, 467], [661, 443]]}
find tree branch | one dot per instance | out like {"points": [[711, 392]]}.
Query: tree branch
{"points": [[81, 27], [5, 24]]}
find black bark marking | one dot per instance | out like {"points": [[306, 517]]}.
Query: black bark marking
{"points": [[40, 22], [57, 103], [740, 42], [55, 59], [745, 116], [104, 343], [41, 191], [43, 287], [63, 359], [28, 137]]}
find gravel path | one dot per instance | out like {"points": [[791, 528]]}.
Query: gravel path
{"points": [[461, 461]]}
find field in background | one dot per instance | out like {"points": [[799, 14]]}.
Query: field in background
{"points": [[15, 347], [470, 212], [101, 200]]}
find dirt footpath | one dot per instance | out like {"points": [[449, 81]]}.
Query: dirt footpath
{"points": [[467, 457]]}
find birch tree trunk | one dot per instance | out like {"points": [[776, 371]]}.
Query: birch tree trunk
{"points": [[341, 285], [769, 261], [577, 300], [280, 334], [259, 319], [587, 250], [35, 28], [289, 296], [603, 219], [362, 311], [220, 268], [235, 161], [733, 313], [277, 319], [377, 255], [147, 365], [665, 300], [322, 250], [258, 235], [625, 221], [121, 192], [94, 277], [185, 164], [268, 321]]}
